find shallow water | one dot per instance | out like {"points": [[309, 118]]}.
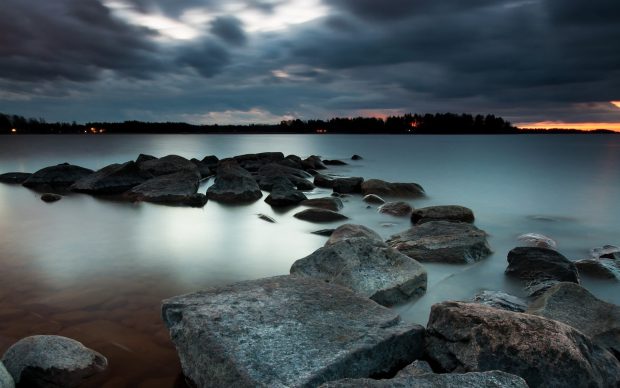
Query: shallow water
{"points": [[97, 270]]}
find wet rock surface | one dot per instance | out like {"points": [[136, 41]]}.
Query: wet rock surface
{"points": [[540, 264], [178, 188], [537, 240], [167, 165], [319, 215], [468, 337], [51, 361], [598, 268], [389, 189], [501, 300], [112, 179], [348, 231], [56, 177], [367, 267], [329, 203], [372, 198], [347, 185], [442, 241], [14, 177], [286, 331], [442, 213], [233, 184], [396, 209], [50, 197], [6, 381]]}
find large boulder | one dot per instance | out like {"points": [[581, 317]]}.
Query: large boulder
{"points": [[347, 185], [313, 162], [396, 209], [348, 231], [14, 177], [573, 305], [470, 337], [268, 172], [167, 165], [56, 177], [443, 242], [329, 203], [51, 361], [369, 268], [388, 189], [285, 195], [253, 162], [442, 213], [320, 215], [113, 179], [203, 168], [6, 380], [179, 188], [540, 265], [286, 331], [233, 184], [323, 181]]}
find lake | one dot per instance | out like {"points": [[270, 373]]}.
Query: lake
{"points": [[96, 270]]}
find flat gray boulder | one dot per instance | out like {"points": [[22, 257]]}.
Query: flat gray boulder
{"points": [[329, 203], [348, 231], [6, 380], [501, 300], [14, 177], [56, 177], [233, 185], [390, 189], [51, 361], [470, 337], [442, 213], [167, 165], [369, 268], [540, 265], [286, 331], [573, 305], [179, 188], [319, 215], [442, 242], [112, 179]]}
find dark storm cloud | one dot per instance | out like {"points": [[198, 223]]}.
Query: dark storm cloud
{"points": [[208, 59], [229, 29]]}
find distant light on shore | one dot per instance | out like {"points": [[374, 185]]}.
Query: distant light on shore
{"points": [[565, 125], [14, 130]]}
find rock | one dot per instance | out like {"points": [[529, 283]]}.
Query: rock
{"points": [[283, 195], [144, 158], [536, 288], [603, 269], [396, 209], [537, 240], [268, 182], [573, 305], [271, 171], [167, 165], [329, 203], [233, 184], [328, 162], [50, 197], [320, 215], [179, 188], [387, 189], [253, 162], [348, 231], [492, 379], [204, 169], [51, 361], [540, 264], [356, 157], [313, 162], [286, 331], [293, 161], [324, 232], [210, 161], [416, 368], [6, 381], [347, 185], [606, 252], [113, 179], [443, 242], [323, 181], [501, 300], [470, 337], [56, 177], [367, 267], [442, 213], [372, 198], [14, 177], [266, 218]]}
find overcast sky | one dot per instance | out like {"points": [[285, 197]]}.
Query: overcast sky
{"points": [[207, 61]]}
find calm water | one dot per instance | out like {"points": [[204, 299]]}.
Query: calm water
{"points": [[96, 270]]}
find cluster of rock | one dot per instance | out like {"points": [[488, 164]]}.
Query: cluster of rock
{"points": [[47, 361]]}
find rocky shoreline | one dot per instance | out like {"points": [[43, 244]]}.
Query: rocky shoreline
{"points": [[328, 322]]}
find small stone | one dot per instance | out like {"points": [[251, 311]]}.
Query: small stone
{"points": [[50, 197], [396, 209], [372, 198], [320, 215], [266, 218]]}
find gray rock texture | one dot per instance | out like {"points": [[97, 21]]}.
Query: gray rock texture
{"points": [[323, 181], [575, 306], [347, 185], [56, 177], [329, 203], [167, 165], [6, 380], [372, 198], [112, 179], [470, 337], [443, 242], [179, 188], [389, 189], [348, 231], [286, 332], [14, 177], [319, 215], [598, 268], [51, 361], [540, 264], [233, 185], [442, 213], [369, 268], [501, 300], [396, 209]]}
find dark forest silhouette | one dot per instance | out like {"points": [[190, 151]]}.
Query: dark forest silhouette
{"points": [[438, 123]]}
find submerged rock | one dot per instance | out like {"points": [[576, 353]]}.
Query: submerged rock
{"points": [[469, 337], [369, 268], [56, 177], [320, 215], [442, 213], [372, 198], [324, 232], [234, 185], [606, 252], [347, 185], [396, 209], [50, 197], [573, 305], [14, 177], [179, 188], [356, 157], [266, 218], [501, 300], [349, 231], [443, 242], [282, 195], [51, 361], [388, 189], [286, 331], [537, 240], [329, 203], [540, 264], [112, 179]]}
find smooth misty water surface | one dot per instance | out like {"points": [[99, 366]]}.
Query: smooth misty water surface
{"points": [[97, 270]]}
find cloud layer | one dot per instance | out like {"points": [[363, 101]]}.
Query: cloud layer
{"points": [[528, 60]]}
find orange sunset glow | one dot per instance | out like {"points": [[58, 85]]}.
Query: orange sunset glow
{"points": [[580, 126]]}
